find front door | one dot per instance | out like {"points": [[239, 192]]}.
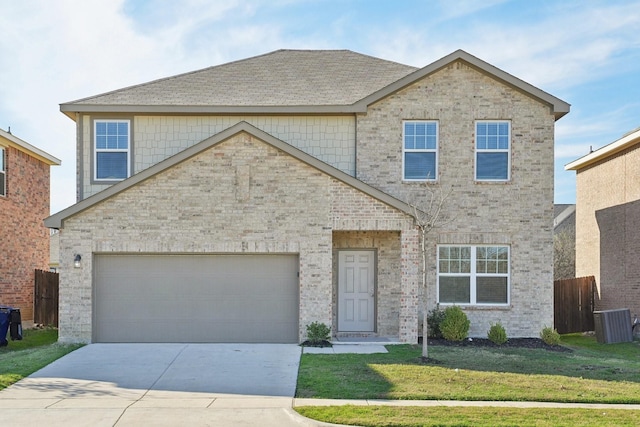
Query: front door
{"points": [[356, 291]]}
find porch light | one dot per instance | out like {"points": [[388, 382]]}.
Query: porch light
{"points": [[77, 261]]}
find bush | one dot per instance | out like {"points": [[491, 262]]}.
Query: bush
{"points": [[455, 325], [317, 333], [434, 319], [550, 336], [497, 334]]}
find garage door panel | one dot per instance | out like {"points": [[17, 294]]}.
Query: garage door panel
{"points": [[196, 298]]}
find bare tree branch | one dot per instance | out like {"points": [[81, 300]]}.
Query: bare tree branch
{"points": [[428, 216]]}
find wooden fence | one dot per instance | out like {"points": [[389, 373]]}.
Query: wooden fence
{"points": [[46, 298], [573, 304]]}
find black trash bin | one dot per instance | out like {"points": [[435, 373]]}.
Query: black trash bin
{"points": [[10, 320], [4, 325], [15, 324]]}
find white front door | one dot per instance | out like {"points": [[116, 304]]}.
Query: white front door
{"points": [[356, 291]]}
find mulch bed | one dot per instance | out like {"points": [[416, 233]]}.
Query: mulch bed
{"points": [[511, 343]]}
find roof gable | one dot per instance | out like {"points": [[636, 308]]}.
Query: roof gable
{"points": [[57, 220], [558, 106]]}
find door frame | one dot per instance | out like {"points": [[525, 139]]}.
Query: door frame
{"points": [[374, 251]]}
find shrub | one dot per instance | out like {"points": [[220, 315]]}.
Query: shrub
{"points": [[317, 333], [550, 336], [497, 334], [434, 319], [455, 325]]}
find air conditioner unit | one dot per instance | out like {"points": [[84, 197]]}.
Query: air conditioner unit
{"points": [[613, 326]]}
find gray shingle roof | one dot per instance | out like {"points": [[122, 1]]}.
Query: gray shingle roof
{"points": [[288, 82], [280, 78]]}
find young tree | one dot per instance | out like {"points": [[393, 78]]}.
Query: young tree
{"points": [[428, 215]]}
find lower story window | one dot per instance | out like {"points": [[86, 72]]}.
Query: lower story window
{"points": [[473, 275]]}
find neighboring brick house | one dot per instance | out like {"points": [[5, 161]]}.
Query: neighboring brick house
{"points": [[24, 203], [608, 221], [244, 201]]}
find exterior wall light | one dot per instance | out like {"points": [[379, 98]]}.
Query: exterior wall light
{"points": [[77, 261]]}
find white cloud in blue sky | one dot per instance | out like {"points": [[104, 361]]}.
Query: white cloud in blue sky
{"points": [[584, 52]]}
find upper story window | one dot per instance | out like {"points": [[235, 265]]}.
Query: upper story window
{"points": [[473, 275], [493, 151], [420, 150], [112, 149], [3, 174]]}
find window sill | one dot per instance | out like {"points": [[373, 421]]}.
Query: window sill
{"points": [[488, 307]]}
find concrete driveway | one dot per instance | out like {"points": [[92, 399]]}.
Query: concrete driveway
{"points": [[160, 384]]}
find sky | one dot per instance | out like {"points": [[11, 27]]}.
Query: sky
{"points": [[585, 52]]}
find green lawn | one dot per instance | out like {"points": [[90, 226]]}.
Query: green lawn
{"points": [[37, 349], [411, 416], [591, 373]]}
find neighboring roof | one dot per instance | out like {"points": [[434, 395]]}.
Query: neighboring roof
{"points": [[57, 220], [288, 81], [628, 140], [25, 147], [561, 213]]}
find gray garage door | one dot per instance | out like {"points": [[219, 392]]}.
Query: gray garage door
{"points": [[196, 298]]}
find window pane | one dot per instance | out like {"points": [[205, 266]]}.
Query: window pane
{"points": [[503, 267], [455, 290], [491, 290], [112, 141], [101, 128], [492, 166], [421, 142], [101, 142], [443, 252], [2, 187], [111, 165], [1, 159], [123, 142], [420, 166]]}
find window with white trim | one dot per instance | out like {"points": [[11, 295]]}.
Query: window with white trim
{"points": [[493, 151], [112, 141], [3, 174], [420, 150], [473, 275]]}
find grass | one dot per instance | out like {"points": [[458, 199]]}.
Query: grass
{"points": [[37, 349], [411, 416], [591, 373]]}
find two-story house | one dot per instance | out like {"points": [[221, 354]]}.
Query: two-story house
{"points": [[241, 202], [24, 203], [607, 219]]}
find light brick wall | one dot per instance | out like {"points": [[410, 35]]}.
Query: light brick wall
{"points": [[518, 213], [241, 195], [607, 237], [155, 138], [24, 245]]}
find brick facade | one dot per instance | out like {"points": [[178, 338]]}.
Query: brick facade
{"points": [[518, 213], [261, 201], [607, 221], [25, 240]]}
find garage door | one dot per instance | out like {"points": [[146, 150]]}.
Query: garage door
{"points": [[196, 298]]}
